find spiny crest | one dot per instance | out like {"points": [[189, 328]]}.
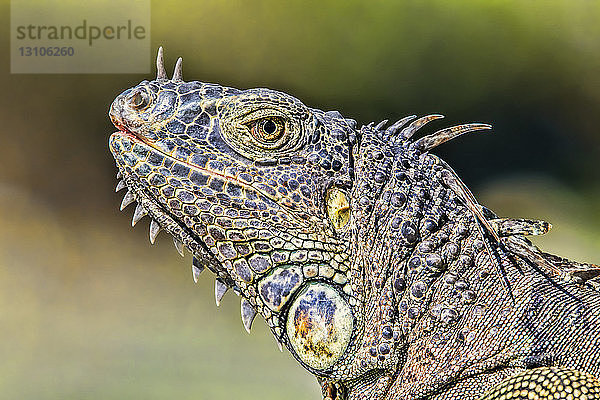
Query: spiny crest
{"points": [[560, 268], [507, 232], [399, 132], [247, 311]]}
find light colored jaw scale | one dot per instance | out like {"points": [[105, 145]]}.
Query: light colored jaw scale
{"points": [[138, 214], [120, 186], [248, 314], [178, 246], [154, 229], [197, 269], [127, 199], [220, 290], [279, 344]]}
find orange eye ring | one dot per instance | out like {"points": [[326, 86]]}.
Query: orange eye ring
{"points": [[268, 130]]}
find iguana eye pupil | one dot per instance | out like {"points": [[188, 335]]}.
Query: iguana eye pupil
{"points": [[268, 129]]}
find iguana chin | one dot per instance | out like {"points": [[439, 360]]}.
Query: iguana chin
{"points": [[365, 254]]}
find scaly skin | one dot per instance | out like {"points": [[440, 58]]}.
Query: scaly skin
{"points": [[364, 253]]}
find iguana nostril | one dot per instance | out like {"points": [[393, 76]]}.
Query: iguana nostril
{"points": [[138, 99], [116, 112]]}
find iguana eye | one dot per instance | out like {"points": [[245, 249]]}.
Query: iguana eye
{"points": [[139, 99], [259, 128], [268, 129], [319, 326]]}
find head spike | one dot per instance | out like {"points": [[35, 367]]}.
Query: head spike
{"points": [[161, 73], [428, 142], [417, 124], [519, 226], [178, 71]]}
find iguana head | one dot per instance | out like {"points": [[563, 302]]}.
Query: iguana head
{"points": [[292, 207]]}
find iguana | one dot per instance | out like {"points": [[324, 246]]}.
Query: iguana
{"points": [[365, 254]]}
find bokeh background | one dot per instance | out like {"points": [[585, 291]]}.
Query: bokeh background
{"points": [[90, 310]]}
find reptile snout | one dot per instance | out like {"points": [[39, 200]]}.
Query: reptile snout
{"points": [[124, 109], [116, 112]]}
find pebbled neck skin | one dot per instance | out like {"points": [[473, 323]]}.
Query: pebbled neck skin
{"points": [[364, 253], [449, 311]]}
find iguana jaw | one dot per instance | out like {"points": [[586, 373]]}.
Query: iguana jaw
{"points": [[133, 155], [131, 170]]}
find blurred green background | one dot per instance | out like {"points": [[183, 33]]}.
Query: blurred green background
{"points": [[89, 310]]}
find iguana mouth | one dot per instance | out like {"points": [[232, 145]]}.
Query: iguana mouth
{"points": [[133, 157], [161, 218]]}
